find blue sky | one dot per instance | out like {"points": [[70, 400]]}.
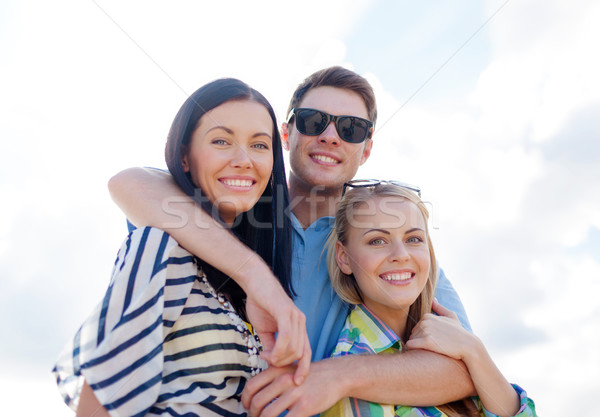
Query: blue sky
{"points": [[504, 141], [430, 33]]}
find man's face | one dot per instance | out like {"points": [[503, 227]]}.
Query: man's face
{"points": [[325, 160]]}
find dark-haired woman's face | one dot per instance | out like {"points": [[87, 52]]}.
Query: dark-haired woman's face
{"points": [[230, 156]]}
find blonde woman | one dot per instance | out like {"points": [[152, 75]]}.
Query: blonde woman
{"points": [[382, 261]]}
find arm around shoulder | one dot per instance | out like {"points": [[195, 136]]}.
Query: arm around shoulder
{"points": [[145, 195], [414, 377], [150, 197]]}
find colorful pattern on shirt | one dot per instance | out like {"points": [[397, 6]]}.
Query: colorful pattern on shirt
{"points": [[364, 333], [162, 341]]}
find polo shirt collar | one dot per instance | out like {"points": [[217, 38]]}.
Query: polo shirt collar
{"points": [[319, 225]]}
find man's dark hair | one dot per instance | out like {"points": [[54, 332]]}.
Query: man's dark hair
{"points": [[337, 77]]}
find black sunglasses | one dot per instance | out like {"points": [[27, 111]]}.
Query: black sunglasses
{"points": [[373, 183], [313, 122]]}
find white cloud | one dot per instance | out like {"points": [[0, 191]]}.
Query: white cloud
{"points": [[544, 68], [513, 171]]}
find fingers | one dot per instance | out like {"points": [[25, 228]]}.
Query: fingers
{"points": [[257, 383], [419, 337], [303, 365], [283, 401], [292, 340], [280, 315], [268, 342], [260, 392], [414, 344], [442, 311], [279, 352], [284, 329], [296, 351], [442, 334]]}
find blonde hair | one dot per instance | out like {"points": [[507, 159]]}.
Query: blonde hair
{"points": [[345, 285], [347, 288]]}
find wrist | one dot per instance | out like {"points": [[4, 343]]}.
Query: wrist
{"points": [[475, 352], [343, 381], [353, 375], [254, 276]]}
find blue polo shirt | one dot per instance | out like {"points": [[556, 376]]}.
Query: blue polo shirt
{"points": [[325, 311]]}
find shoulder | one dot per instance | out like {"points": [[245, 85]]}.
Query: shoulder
{"points": [[150, 237], [150, 256], [144, 243]]}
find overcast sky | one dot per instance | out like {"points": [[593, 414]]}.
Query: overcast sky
{"points": [[492, 107]]}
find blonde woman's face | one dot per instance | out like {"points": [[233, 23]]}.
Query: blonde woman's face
{"points": [[387, 252]]}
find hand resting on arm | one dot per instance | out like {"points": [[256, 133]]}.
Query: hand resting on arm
{"points": [[415, 377]]}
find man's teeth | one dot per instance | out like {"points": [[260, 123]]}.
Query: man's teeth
{"points": [[238, 183], [325, 159], [397, 277]]}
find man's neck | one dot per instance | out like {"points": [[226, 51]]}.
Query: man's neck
{"points": [[310, 203]]}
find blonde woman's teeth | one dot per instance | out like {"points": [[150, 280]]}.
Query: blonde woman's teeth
{"points": [[397, 277]]}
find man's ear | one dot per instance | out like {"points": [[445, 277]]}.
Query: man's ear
{"points": [[341, 257], [366, 151], [285, 134]]}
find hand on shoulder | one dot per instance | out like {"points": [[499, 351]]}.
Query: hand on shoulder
{"points": [[443, 334]]}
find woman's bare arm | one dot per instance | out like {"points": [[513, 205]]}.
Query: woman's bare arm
{"points": [[89, 406], [416, 377], [442, 333], [150, 197]]}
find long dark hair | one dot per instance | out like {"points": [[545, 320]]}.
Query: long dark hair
{"points": [[265, 228]]}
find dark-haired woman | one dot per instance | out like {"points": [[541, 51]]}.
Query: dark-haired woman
{"points": [[170, 336]]}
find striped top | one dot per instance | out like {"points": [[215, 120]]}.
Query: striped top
{"points": [[162, 341], [364, 333]]}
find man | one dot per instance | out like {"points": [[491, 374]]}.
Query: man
{"points": [[325, 152]]}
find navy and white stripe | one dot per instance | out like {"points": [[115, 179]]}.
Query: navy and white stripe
{"points": [[158, 342]]}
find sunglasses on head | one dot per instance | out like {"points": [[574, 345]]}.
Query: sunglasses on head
{"points": [[313, 122], [374, 183]]}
